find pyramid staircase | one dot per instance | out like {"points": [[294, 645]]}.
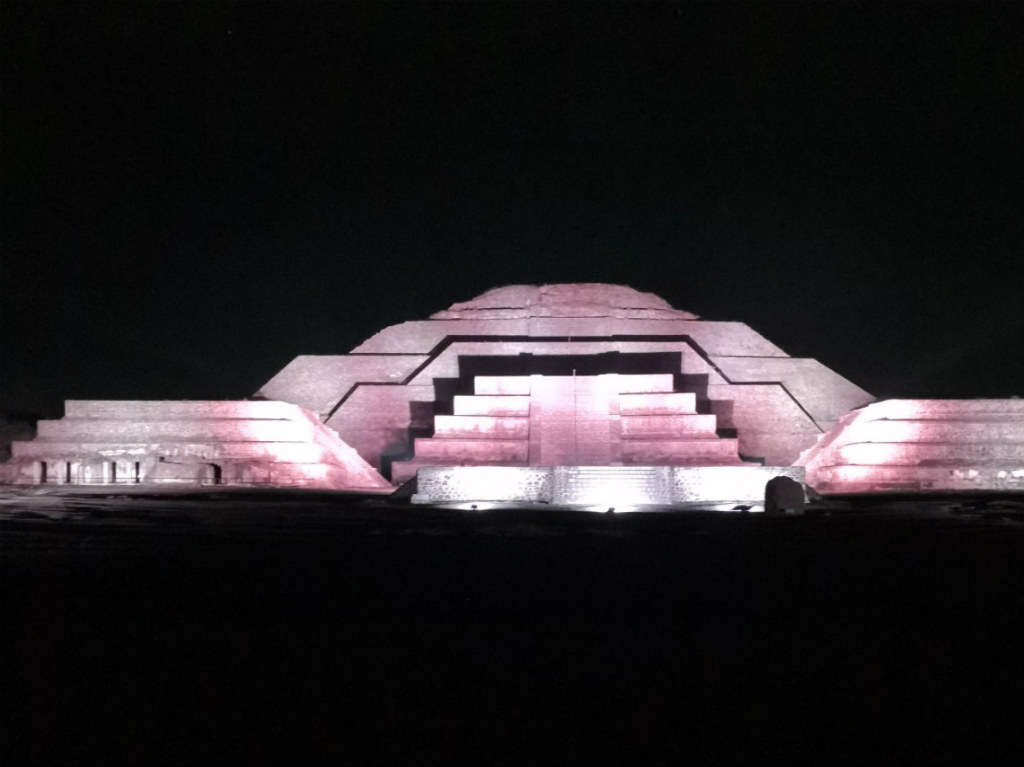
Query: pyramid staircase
{"points": [[604, 420]]}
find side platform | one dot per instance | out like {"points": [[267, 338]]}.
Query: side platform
{"points": [[190, 443], [921, 447]]}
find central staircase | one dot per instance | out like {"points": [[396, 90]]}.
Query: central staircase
{"points": [[573, 421]]}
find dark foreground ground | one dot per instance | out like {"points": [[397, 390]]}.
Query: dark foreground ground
{"points": [[264, 630]]}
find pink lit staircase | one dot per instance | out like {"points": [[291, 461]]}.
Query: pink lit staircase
{"points": [[604, 420]]}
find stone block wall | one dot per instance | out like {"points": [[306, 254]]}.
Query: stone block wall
{"points": [[384, 394], [572, 420], [190, 443], [472, 483], [922, 446], [621, 488], [690, 391]]}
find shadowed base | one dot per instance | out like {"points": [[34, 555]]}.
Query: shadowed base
{"points": [[274, 629]]}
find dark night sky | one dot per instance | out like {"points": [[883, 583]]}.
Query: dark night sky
{"points": [[195, 193]]}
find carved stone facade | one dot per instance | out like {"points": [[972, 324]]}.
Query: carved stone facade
{"points": [[554, 387], [190, 444], [392, 389], [922, 446], [602, 420], [619, 488]]}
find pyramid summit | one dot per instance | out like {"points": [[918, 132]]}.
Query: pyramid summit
{"points": [[588, 299]]}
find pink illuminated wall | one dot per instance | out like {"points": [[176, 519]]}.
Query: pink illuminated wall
{"points": [[339, 420], [598, 488], [603, 420], [777, 405], [915, 446], [231, 443]]}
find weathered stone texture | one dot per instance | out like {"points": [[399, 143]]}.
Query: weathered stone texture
{"points": [[776, 405], [570, 300], [627, 379], [689, 452], [599, 420], [422, 336], [768, 421], [621, 488], [824, 394], [471, 483], [191, 443], [447, 363], [320, 383], [922, 446], [657, 403], [497, 405], [376, 419]]}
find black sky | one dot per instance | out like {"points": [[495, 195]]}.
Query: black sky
{"points": [[195, 193]]}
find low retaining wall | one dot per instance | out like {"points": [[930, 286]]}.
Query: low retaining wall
{"points": [[618, 487], [189, 443], [920, 447]]}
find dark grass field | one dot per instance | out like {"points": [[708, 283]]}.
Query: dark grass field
{"points": [[270, 629]]}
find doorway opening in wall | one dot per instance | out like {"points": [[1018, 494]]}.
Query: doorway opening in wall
{"points": [[113, 472], [42, 472], [136, 473], [67, 472]]}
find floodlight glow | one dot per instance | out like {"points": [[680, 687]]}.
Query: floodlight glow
{"points": [[486, 482]]}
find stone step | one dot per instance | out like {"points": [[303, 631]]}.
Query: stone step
{"points": [[321, 475], [481, 483], [903, 409], [470, 451], [401, 471], [296, 452], [945, 431], [600, 487], [648, 383], [494, 405], [481, 427], [609, 473], [167, 410], [661, 403], [681, 452], [732, 484], [1008, 477], [501, 385], [231, 430], [601, 469], [612, 486], [913, 453], [668, 426]]}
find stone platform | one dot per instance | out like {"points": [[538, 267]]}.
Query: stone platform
{"points": [[922, 446], [600, 420], [194, 443], [583, 393], [384, 395], [600, 487]]}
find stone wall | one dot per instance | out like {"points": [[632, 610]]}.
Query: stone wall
{"points": [[385, 393], [922, 446], [598, 420], [190, 443], [621, 488]]}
